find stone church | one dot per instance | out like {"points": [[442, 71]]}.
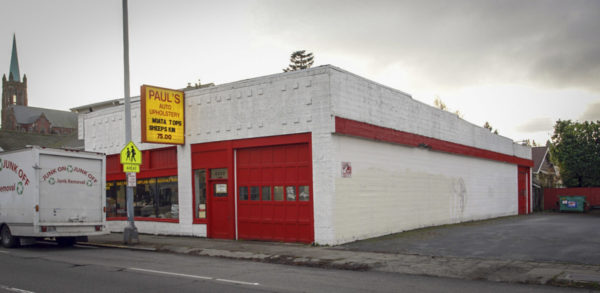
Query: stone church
{"points": [[18, 116]]}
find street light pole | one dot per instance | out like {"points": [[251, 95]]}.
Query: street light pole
{"points": [[130, 231]]}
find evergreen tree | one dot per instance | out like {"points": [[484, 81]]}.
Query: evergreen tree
{"points": [[300, 60], [575, 149], [490, 128]]}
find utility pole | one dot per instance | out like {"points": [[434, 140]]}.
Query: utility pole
{"points": [[130, 231]]}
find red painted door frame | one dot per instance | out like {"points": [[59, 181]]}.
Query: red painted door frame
{"points": [[524, 194], [219, 213]]}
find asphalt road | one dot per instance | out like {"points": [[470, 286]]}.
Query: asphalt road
{"points": [[47, 268], [548, 237]]}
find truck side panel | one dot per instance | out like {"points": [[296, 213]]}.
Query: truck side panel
{"points": [[70, 190], [18, 190]]}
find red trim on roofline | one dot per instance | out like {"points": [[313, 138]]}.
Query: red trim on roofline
{"points": [[374, 132]]}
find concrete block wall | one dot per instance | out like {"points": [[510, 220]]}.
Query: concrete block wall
{"points": [[356, 98], [395, 188]]}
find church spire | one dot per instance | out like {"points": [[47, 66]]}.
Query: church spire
{"points": [[14, 62]]}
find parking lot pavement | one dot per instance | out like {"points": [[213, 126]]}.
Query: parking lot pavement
{"points": [[547, 237]]}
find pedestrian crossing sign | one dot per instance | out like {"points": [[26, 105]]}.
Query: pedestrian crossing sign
{"points": [[131, 155]]}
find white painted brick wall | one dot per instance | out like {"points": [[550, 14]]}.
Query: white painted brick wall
{"points": [[357, 98], [395, 188]]}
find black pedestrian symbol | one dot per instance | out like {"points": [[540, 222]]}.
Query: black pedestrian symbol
{"points": [[128, 155], [132, 154]]}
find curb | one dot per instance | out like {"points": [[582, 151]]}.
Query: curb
{"points": [[530, 273], [141, 248]]}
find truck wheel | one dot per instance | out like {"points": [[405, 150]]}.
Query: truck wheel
{"points": [[8, 240], [65, 241]]}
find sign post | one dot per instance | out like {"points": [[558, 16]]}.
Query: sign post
{"points": [[130, 232]]}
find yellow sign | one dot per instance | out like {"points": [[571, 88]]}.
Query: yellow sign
{"points": [[131, 168], [131, 155], [162, 115]]}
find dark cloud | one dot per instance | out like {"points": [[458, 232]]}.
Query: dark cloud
{"points": [[553, 43], [592, 113], [536, 125]]}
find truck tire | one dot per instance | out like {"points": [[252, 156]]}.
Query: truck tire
{"points": [[65, 241], [8, 240]]}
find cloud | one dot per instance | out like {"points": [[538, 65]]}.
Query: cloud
{"points": [[452, 43], [536, 125], [592, 112]]}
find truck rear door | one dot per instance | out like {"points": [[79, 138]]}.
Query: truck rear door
{"points": [[70, 190]]}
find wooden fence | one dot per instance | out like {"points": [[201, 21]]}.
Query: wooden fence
{"points": [[551, 195]]}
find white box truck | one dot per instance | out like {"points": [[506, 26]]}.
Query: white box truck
{"points": [[51, 193]]}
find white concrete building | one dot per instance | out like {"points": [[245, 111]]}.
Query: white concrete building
{"points": [[318, 155]]}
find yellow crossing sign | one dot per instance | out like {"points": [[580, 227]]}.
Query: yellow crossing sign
{"points": [[131, 155]]}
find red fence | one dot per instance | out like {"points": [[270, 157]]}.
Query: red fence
{"points": [[592, 195]]}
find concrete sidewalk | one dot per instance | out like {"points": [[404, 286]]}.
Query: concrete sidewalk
{"points": [[543, 273]]}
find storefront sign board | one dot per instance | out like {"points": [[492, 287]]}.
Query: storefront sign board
{"points": [[162, 115]]}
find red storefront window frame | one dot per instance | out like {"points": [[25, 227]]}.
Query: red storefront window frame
{"points": [[148, 169]]}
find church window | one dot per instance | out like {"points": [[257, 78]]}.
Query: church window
{"points": [[14, 99]]}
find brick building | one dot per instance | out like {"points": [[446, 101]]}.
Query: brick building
{"points": [[18, 116], [318, 155]]}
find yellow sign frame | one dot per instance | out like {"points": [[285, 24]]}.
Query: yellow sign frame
{"points": [[162, 115]]}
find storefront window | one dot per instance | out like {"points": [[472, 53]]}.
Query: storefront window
{"points": [[116, 202], [152, 198], [200, 193], [168, 199]]}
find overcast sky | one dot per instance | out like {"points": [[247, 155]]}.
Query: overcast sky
{"points": [[520, 65]]}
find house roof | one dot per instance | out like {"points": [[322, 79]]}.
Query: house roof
{"points": [[538, 155], [28, 115], [14, 140]]}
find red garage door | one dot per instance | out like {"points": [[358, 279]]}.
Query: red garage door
{"points": [[274, 195]]}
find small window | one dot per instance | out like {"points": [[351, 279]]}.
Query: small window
{"points": [[266, 193], [254, 195], [290, 191], [278, 193], [244, 193], [304, 193]]}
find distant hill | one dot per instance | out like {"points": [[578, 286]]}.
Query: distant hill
{"points": [[12, 140]]}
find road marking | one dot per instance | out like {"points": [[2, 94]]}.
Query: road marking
{"points": [[4, 251], [172, 274], [237, 282], [194, 276], [15, 289]]}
